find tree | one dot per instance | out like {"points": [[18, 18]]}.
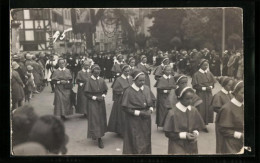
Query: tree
{"points": [[234, 41], [166, 26], [176, 42]]}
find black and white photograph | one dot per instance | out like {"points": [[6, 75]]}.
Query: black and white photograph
{"points": [[127, 81]]}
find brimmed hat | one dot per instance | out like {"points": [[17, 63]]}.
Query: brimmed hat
{"points": [[164, 59], [223, 80], [119, 55], [202, 61], [136, 74], [142, 57], [16, 57], [130, 59], [29, 67], [180, 91], [123, 66], [95, 66], [237, 85], [15, 65], [178, 77]]}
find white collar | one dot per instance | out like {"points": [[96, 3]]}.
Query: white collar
{"points": [[167, 77], [236, 102], [62, 69], [224, 91], [85, 70], [143, 63], [182, 107], [132, 67], [124, 77], [137, 88], [202, 71], [93, 77]]}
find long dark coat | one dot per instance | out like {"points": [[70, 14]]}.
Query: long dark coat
{"points": [[82, 78], [117, 116], [97, 119], [163, 102], [16, 87], [62, 97], [218, 100], [200, 80], [177, 121], [137, 135], [230, 119]]}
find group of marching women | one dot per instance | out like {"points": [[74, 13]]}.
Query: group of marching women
{"points": [[181, 111]]}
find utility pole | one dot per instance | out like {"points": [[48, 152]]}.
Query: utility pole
{"points": [[223, 34]]}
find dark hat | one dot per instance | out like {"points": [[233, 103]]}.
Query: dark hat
{"points": [[137, 73], [202, 61], [143, 56], [164, 59], [237, 85], [130, 59], [223, 80], [178, 77], [95, 66], [180, 91], [124, 66]]}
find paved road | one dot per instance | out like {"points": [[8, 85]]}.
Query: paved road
{"points": [[76, 128]]}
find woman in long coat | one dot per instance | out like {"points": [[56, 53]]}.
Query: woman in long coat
{"points": [[164, 86], [63, 87], [96, 90], [82, 77], [182, 124], [137, 104], [203, 82], [17, 89], [220, 99], [158, 72], [230, 121], [146, 69], [132, 67], [117, 116]]}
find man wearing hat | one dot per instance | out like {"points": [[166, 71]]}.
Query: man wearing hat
{"points": [[63, 89], [96, 90], [16, 88], [18, 59], [17, 68], [225, 59], [203, 82], [146, 69]]}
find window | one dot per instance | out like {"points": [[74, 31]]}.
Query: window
{"points": [[38, 24], [26, 14], [29, 35], [28, 24], [39, 35], [45, 14]]}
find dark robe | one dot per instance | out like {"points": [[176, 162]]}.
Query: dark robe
{"points": [[117, 116], [137, 134], [200, 80], [215, 66], [158, 72], [16, 87], [177, 121], [108, 67], [218, 100], [62, 98], [146, 70], [116, 70], [81, 107], [163, 102], [97, 120], [230, 119]]}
